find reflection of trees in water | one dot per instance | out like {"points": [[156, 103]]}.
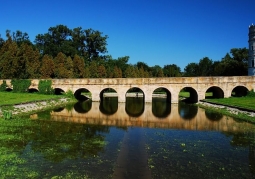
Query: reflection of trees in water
{"points": [[134, 106], [160, 107], [83, 106], [213, 116], [59, 141], [187, 111], [109, 105], [246, 139]]}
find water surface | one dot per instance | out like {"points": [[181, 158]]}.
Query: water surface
{"points": [[128, 140]]}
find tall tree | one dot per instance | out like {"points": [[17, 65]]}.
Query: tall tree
{"points": [[30, 58], [57, 39], [78, 67], [63, 66], [205, 67], [19, 37], [9, 67], [191, 70], [47, 68], [172, 70]]}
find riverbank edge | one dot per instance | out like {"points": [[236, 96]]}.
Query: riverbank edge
{"points": [[28, 108], [238, 113]]}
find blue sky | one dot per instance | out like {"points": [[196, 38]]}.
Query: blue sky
{"points": [[157, 32]]}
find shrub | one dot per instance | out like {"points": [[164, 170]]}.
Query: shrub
{"points": [[251, 93], [44, 87], [3, 86], [20, 86], [69, 94], [7, 115]]}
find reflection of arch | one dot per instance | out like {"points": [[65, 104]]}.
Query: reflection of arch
{"points": [[109, 105], [108, 92], [134, 106], [213, 116], [193, 96], [187, 111], [161, 108], [58, 91], [162, 92], [58, 109], [216, 92], [32, 90], [239, 91], [82, 97], [83, 106]]}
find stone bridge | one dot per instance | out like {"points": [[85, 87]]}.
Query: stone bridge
{"points": [[197, 86]]}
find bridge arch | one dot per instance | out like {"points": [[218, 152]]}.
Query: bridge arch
{"points": [[239, 91], [82, 94], [193, 95], [216, 92], [108, 92], [58, 91], [108, 101], [162, 92], [134, 106], [32, 90]]}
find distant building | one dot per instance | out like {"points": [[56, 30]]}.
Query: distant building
{"points": [[251, 58]]}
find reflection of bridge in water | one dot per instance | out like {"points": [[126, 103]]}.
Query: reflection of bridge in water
{"points": [[179, 117]]}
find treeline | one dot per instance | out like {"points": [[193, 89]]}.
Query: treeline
{"points": [[81, 53]]}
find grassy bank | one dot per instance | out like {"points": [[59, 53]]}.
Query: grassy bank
{"points": [[245, 104], [27, 103], [241, 102], [10, 98]]}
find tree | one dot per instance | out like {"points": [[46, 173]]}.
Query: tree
{"points": [[157, 71], [48, 67], [101, 71], [95, 44], [191, 70], [30, 58], [63, 66], [205, 67], [8, 60], [57, 39], [19, 37], [78, 67], [172, 70]]}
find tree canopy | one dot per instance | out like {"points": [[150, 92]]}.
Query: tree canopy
{"points": [[62, 52]]}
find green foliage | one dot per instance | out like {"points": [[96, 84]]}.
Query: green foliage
{"points": [[251, 93], [7, 115], [20, 86], [3, 86], [69, 94], [44, 87]]}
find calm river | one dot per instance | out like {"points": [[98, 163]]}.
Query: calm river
{"points": [[136, 140]]}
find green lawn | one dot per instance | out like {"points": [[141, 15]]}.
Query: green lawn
{"points": [[243, 102], [10, 98]]}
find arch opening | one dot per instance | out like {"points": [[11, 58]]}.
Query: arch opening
{"points": [[108, 101], [239, 91], [214, 92], [33, 90], [162, 93], [82, 94], [188, 95], [108, 93], [134, 106], [58, 91], [161, 102]]}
